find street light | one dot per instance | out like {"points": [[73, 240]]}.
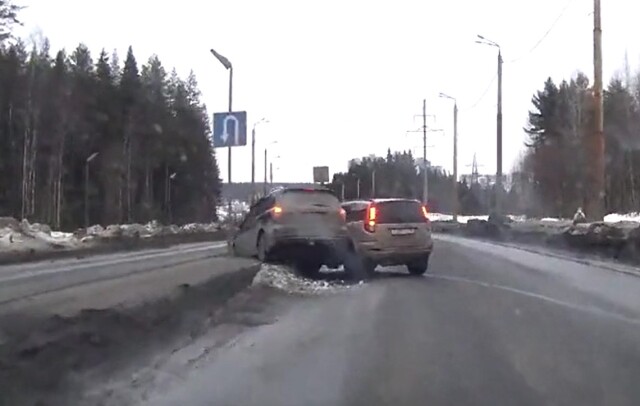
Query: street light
{"points": [[271, 170], [253, 156], [86, 188], [266, 160], [455, 155], [228, 66], [498, 196], [169, 180]]}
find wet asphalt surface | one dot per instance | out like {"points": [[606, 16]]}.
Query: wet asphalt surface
{"points": [[488, 325]]}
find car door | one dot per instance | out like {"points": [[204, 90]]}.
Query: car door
{"points": [[243, 243]]}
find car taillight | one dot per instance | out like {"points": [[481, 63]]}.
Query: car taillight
{"points": [[370, 221], [277, 211], [425, 212], [343, 214]]}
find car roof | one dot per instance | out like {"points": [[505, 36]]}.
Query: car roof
{"points": [[361, 204], [281, 190], [394, 199], [381, 200]]}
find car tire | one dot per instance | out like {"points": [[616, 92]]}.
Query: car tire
{"points": [[308, 268], [419, 267], [261, 245], [354, 267]]}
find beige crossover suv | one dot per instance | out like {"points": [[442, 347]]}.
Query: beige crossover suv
{"points": [[390, 232]]}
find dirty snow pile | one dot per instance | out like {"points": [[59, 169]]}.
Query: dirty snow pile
{"points": [[465, 219], [16, 236], [283, 278], [21, 235], [151, 229]]}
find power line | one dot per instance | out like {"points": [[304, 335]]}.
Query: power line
{"points": [[545, 35], [482, 96]]}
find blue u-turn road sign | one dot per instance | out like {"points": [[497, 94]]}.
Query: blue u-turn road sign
{"points": [[230, 129]]}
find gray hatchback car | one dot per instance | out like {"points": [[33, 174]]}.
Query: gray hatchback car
{"points": [[390, 232]]}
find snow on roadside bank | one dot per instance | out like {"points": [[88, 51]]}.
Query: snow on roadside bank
{"points": [[609, 218], [17, 236]]}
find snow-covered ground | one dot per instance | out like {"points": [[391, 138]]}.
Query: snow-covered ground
{"points": [[609, 218], [18, 236]]}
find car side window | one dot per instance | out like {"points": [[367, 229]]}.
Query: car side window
{"points": [[264, 204], [250, 218]]}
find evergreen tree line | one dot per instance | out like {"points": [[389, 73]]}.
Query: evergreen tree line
{"points": [[552, 176], [399, 175], [142, 136]]}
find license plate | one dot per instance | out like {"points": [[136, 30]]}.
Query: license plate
{"points": [[403, 231]]}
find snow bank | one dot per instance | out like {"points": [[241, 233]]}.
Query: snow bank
{"points": [[617, 237], [22, 236]]}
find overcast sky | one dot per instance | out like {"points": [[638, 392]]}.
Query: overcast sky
{"points": [[343, 79]]}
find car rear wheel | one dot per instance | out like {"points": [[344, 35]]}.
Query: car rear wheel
{"points": [[308, 268], [419, 267]]}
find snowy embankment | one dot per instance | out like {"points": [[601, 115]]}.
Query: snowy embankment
{"points": [[22, 241], [618, 236]]}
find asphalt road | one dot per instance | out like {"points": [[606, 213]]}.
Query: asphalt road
{"points": [[68, 285], [489, 325]]}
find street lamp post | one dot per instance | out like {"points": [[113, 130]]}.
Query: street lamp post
{"points": [[253, 156], [455, 155], [169, 180], [271, 170], [86, 188], [498, 196], [266, 163], [227, 64]]}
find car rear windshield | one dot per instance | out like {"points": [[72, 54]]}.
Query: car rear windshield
{"points": [[398, 212], [309, 199]]}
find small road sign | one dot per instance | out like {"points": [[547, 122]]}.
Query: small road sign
{"points": [[230, 129], [321, 174]]}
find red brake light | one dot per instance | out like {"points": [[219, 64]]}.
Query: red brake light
{"points": [[343, 214], [370, 221]]}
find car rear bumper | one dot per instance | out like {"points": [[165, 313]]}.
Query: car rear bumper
{"points": [[388, 256], [327, 251]]}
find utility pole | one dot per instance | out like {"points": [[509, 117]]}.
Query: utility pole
{"points": [[342, 191], [454, 200], [265, 171], [499, 139], [253, 163], [455, 162], [253, 157], [498, 185], [86, 188], [230, 110], [227, 64], [358, 188], [425, 177], [271, 173], [597, 190], [373, 183]]}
